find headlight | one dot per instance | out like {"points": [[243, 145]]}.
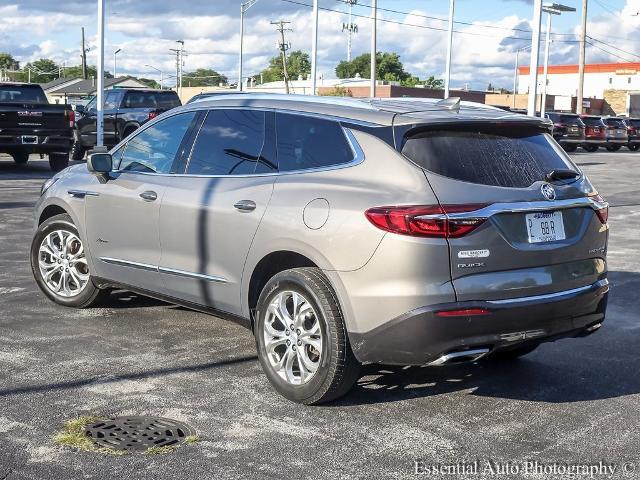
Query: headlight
{"points": [[46, 185]]}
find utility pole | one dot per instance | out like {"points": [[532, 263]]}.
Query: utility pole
{"points": [[84, 57], [243, 9], [179, 63], [447, 75], [350, 27], [314, 48], [100, 88], [583, 55], [535, 53], [374, 46], [283, 46]]}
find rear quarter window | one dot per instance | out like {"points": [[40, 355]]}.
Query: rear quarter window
{"points": [[305, 143], [487, 156]]}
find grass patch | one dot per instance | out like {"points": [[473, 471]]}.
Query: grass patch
{"points": [[74, 436], [191, 439]]}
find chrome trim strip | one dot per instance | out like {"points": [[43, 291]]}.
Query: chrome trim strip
{"points": [[127, 263], [539, 206], [199, 276], [551, 296], [82, 193]]}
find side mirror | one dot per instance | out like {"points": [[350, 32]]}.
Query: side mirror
{"points": [[100, 163], [80, 109]]}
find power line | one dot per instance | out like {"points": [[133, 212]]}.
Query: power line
{"points": [[614, 47], [608, 52]]}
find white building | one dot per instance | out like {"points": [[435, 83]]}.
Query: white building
{"points": [[563, 79]]}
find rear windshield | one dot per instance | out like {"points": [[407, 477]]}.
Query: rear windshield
{"points": [[614, 122], [21, 94], [592, 121], [487, 157], [570, 119], [161, 100]]}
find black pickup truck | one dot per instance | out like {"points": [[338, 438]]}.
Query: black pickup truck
{"points": [[29, 124], [125, 110]]}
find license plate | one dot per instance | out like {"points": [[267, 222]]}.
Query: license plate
{"points": [[29, 139], [573, 129], [545, 227], [621, 133]]}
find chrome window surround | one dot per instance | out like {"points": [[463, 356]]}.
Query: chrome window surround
{"points": [[358, 158], [516, 207], [158, 269]]}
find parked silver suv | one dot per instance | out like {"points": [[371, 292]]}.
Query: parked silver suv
{"points": [[340, 231]]}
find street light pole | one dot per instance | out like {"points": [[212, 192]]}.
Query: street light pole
{"points": [[447, 75], [115, 55], [535, 53], [515, 73], [100, 86], [374, 19], [243, 9], [314, 48], [582, 58], [549, 9]]}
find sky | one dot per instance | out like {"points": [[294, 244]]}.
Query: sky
{"points": [[485, 40]]}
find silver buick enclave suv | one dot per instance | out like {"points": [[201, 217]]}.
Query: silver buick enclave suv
{"points": [[341, 231]]}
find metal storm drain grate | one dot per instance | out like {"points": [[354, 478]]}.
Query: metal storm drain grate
{"points": [[138, 433]]}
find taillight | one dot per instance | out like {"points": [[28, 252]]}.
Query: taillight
{"points": [[463, 312], [152, 115], [426, 221], [70, 115], [603, 211]]}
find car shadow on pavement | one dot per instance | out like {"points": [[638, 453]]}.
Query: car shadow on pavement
{"points": [[126, 299], [102, 380], [603, 365]]}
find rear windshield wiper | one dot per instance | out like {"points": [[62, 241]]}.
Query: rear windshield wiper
{"points": [[561, 174]]}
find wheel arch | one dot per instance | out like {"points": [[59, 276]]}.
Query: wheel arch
{"points": [[267, 267]]}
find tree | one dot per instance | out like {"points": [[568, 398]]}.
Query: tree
{"points": [[7, 62], [434, 83], [389, 67], [75, 71], [298, 63], [203, 77], [149, 82], [42, 71]]}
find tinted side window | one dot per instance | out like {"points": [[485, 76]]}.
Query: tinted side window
{"points": [[307, 142], [155, 147], [230, 142], [111, 100]]}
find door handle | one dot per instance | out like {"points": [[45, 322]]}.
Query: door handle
{"points": [[149, 196], [245, 205]]}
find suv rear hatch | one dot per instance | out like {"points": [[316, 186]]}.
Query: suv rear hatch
{"points": [[567, 125], [523, 219], [616, 129]]}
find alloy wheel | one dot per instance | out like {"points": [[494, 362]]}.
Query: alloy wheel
{"points": [[63, 264], [293, 337]]}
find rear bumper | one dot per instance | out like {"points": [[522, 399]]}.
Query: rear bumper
{"points": [[571, 140], [51, 142], [420, 336], [617, 141]]}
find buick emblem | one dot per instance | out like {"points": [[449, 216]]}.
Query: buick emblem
{"points": [[548, 191]]}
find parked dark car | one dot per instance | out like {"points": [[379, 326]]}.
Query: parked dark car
{"points": [[616, 131], [568, 130], [595, 135], [633, 132], [29, 124], [125, 110]]}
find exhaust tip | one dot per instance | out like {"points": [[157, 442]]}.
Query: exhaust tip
{"points": [[460, 356]]}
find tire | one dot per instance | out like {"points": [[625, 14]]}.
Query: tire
{"points": [[513, 353], [21, 158], [58, 161], [634, 148], [569, 147], [128, 131], [613, 148], [336, 368], [77, 151], [590, 148], [82, 296]]}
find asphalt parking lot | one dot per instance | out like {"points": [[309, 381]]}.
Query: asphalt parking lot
{"points": [[569, 402]]}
